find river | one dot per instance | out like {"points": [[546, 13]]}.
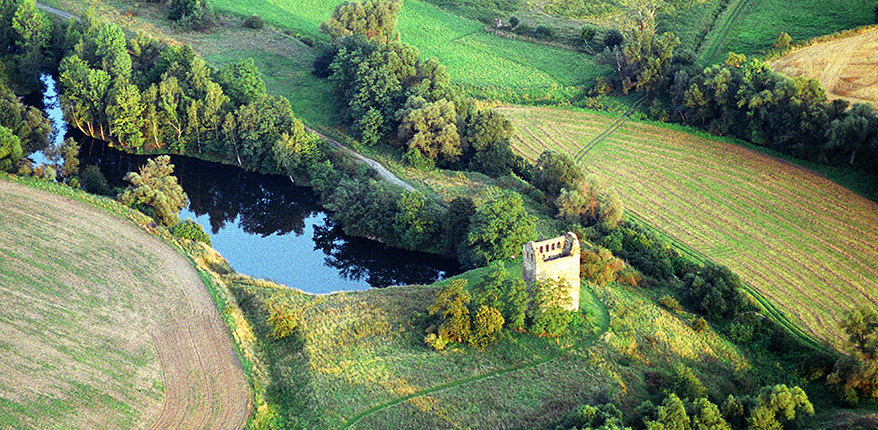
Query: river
{"points": [[267, 227]]}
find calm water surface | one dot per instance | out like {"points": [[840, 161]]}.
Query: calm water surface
{"points": [[267, 227]]}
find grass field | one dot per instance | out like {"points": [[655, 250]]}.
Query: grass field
{"points": [[360, 361], [104, 326], [845, 67], [807, 244], [473, 58], [751, 26]]}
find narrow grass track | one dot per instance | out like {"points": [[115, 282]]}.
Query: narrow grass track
{"points": [[603, 325]]}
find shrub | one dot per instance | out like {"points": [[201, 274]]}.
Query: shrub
{"points": [[699, 324], [613, 38], [740, 332], [486, 327], [513, 20], [93, 181], [587, 33], [544, 32], [191, 230], [282, 320], [436, 342], [670, 304], [255, 22]]}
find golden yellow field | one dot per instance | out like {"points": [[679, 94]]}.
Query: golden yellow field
{"points": [[807, 244], [846, 67]]}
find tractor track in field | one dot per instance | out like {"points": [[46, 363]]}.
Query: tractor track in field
{"points": [[613, 127], [711, 50], [603, 326]]}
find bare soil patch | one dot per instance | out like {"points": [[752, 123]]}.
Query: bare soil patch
{"points": [[847, 68], [103, 326]]}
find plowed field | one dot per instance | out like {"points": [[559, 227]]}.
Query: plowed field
{"points": [[805, 243], [103, 326], [847, 67]]}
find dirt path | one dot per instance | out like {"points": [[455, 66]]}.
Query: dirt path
{"points": [[382, 171], [57, 12], [104, 305]]}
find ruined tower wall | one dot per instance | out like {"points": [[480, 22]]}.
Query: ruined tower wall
{"points": [[556, 258]]}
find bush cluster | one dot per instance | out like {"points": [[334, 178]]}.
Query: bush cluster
{"points": [[189, 229], [497, 301]]}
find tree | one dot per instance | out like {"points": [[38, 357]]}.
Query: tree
{"points": [[415, 222], [486, 327], [489, 292], [450, 304], [296, 149], [10, 149], [242, 82], [498, 229], [33, 31], [430, 128], [516, 303], [778, 406], [156, 187], [373, 19], [671, 415], [555, 171], [70, 154], [549, 314], [857, 373]]}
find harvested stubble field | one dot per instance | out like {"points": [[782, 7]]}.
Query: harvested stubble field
{"points": [[104, 326], [804, 242], [846, 67]]}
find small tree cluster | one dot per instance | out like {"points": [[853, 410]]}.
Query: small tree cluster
{"points": [[372, 19], [155, 187], [776, 407], [856, 374], [191, 230], [195, 15]]}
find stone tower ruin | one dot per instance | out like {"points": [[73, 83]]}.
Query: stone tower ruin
{"points": [[556, 258]]}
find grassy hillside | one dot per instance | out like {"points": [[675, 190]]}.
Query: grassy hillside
{"points": [[807, 244], [358, 361], [105, 326]]}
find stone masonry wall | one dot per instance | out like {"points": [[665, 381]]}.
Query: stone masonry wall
{"points": [[556, 258]]}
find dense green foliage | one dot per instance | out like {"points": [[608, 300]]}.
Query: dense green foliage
{"points": [[10, 149], [195, 15], [144, 95], [26, 123], [372, 19], [498, 300], [189, 229], [776, 407], [744, 98], [856, 375], [497, 230], [155, 189]]}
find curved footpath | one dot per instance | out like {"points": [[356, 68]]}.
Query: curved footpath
{"points": [[104, 290]]}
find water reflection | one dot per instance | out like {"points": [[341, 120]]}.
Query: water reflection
{"points": [[269, 228]]}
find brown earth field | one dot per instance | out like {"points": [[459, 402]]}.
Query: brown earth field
{"points": [[103, 326], [803, 242], [846, 67]]}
